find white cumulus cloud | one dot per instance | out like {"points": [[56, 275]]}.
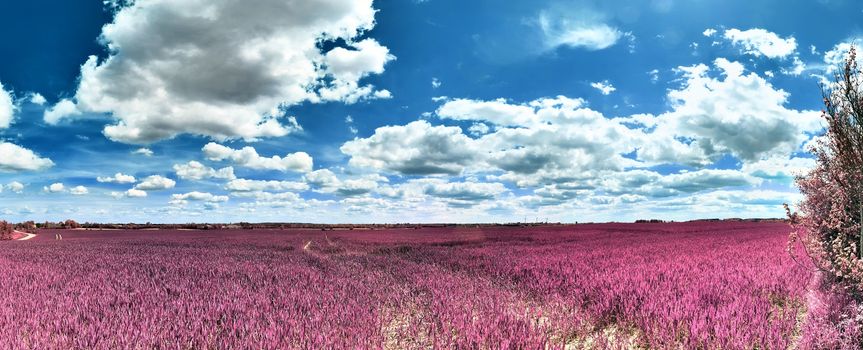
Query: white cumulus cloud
{"points": [[79, 190], [7, 108], [146, 152], [14, 158], [741, 114], [244, 185], [63, 109], [249, 157], [14, 186], [183, 198], [194, 170], [760, 42], [570, 154], [224, 68], [56, 187], [417, 148], [119, 178], [154, 183], [130, 193], [577, 27], [604, 87], [37, 99]]}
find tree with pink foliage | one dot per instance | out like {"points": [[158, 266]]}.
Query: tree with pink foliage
{"points": [[831, 224], [829, 227], [5, 231]]}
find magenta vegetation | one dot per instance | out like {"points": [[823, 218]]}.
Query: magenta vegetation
{"points": [[708, 285]]}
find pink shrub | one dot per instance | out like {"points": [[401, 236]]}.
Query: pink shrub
{"points": [[833, 320], [6, 231]]}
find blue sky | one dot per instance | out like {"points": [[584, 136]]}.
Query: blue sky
{"points": [[420, 111]]}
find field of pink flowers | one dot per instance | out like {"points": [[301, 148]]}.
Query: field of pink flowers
{"points": [[708, 285]]}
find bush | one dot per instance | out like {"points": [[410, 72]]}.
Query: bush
{"points": [[5, 230], [71, 224]]}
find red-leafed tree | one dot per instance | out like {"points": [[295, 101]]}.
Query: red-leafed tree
{"points": [[5, 230], [71, 224], [830, 224]]}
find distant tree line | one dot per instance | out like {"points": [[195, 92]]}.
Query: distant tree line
{"points": [[658, 221], [68, 224], [649, 221]]}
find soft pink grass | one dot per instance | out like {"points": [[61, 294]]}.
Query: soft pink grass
{"points": [[687, 285]]}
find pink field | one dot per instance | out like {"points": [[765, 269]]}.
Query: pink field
{"points": [[685, 285]]}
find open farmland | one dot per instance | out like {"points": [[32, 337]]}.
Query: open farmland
{"points": [[727, 285]]}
